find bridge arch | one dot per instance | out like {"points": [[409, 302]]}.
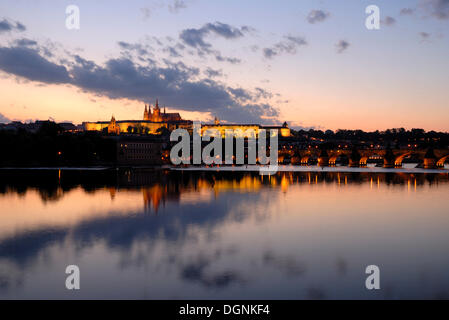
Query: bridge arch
{"points": [[339, 157], [283, 157], [363, 160], [440, 162], [305, 160], [333, 159], [309, 159], [398, 160], [375, 157]]}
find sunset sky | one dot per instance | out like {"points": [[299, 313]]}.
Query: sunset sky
{"points": [[311, 63]]}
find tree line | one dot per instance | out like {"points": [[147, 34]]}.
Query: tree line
{"points": [[50, 146]]}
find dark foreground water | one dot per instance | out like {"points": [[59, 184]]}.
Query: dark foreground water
{"points": [[190, 235]]}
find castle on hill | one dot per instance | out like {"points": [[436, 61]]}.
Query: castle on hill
{"points": [[154, 119], [152, 123]]}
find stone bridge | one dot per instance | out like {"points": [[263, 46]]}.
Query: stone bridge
{"points": [[428, 158]]}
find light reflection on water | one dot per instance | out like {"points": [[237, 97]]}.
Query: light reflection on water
{"points": [[189, 235]]}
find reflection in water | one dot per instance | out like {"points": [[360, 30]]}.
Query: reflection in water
{"points": [[162, 234]]}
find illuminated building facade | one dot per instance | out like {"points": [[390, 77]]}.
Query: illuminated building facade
{"points": [[284, 130], [152, 122]]}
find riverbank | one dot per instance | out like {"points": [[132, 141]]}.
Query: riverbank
{"points": [[244, 168], [290, 168]]}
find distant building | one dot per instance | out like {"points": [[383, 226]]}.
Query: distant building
{"points": [[139, 151], [284, 130]]}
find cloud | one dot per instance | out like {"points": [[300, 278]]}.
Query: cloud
{"points": [[248, 29], [146, 50], [317, 16], [424, 35], [4, 119], [8, 26], [25, 42], [146, 12], [136, 47], [150, 9], [87, 64], [407, 11], [224, 30], [178, 85], [262, 93], [437, 8], [389, 21], [220, 58], [173, 7], [173, 52], [196, 38], [296, 40], [342, 45], [269, 53], [29, 64], [211, 73], [289, 45], [240, 94], [176, 6]]}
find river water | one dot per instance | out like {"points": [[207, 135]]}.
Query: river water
{"points": [[161, 234]]}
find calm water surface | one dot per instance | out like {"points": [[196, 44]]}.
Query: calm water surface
{"points": [[190, 235]]}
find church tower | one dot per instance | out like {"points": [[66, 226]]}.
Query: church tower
{"points": [[113, 128], [156, 117], [156, 107], [146, 116]]}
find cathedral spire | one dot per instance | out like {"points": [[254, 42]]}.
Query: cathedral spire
{"points": [[145, 113]]}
